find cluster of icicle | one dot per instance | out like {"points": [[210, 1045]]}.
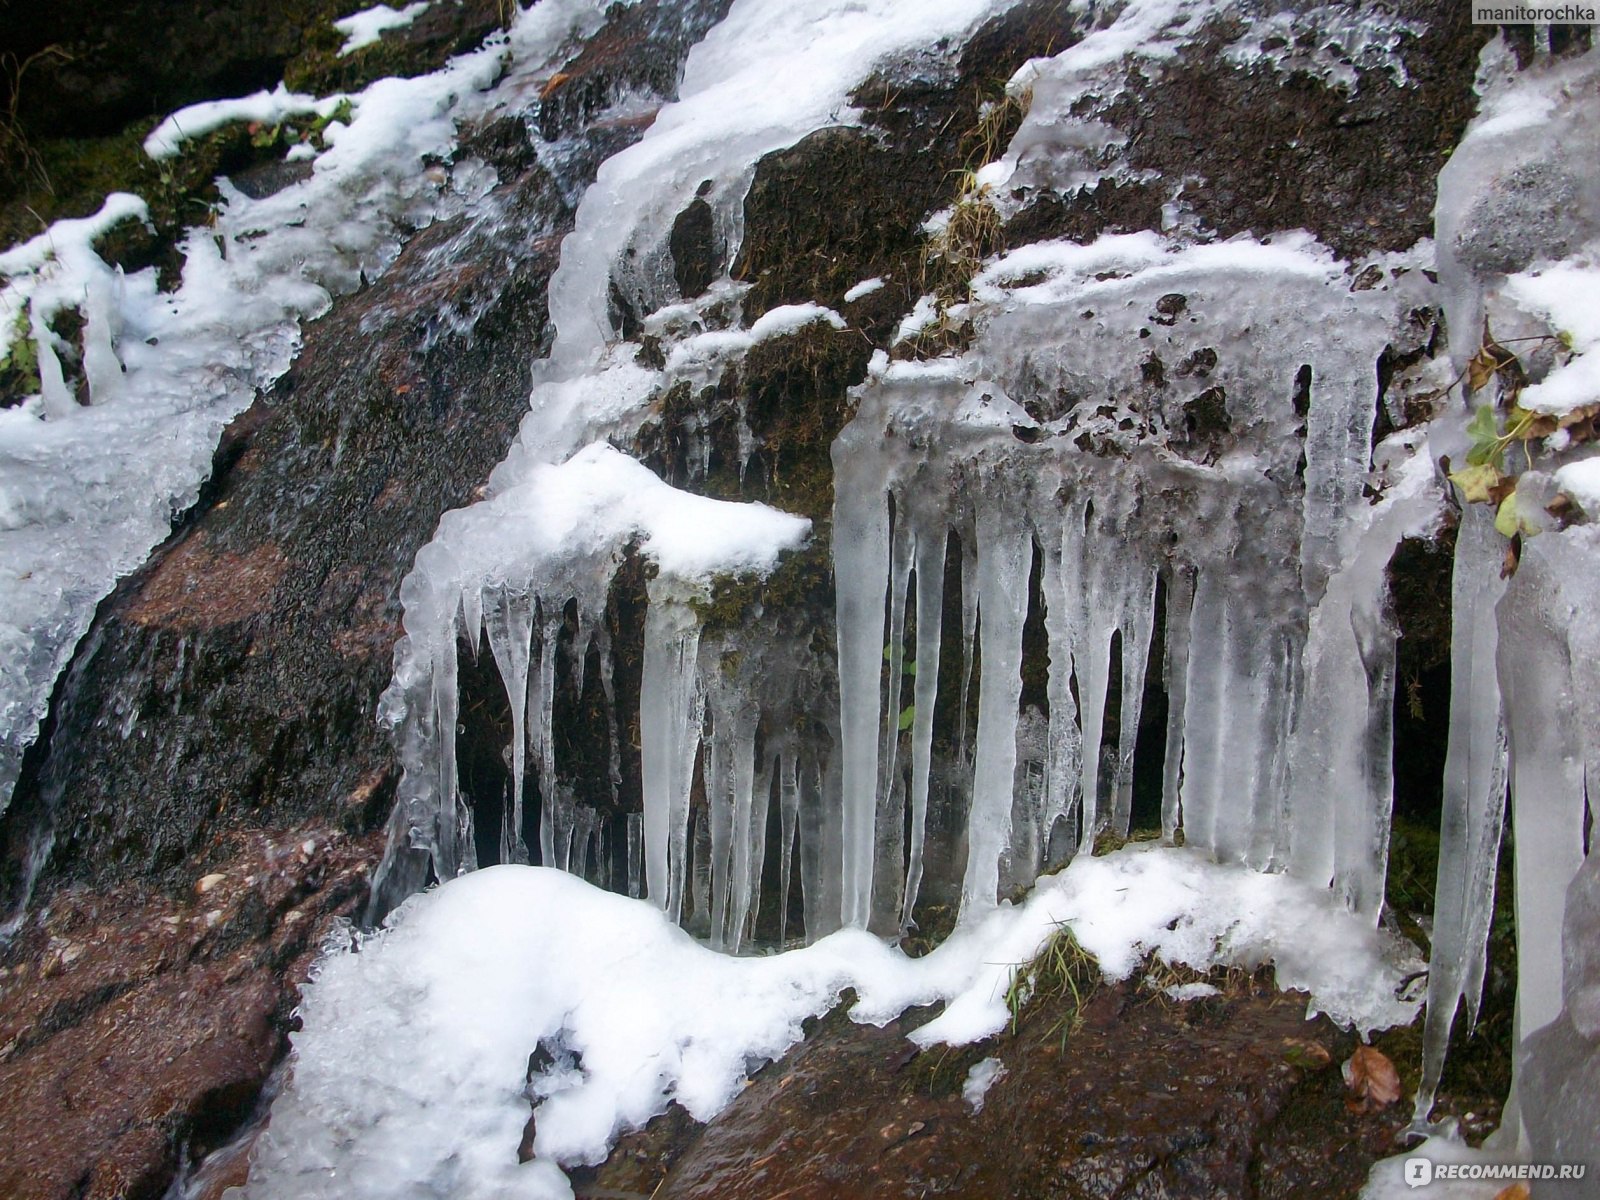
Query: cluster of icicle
{"points": [[1148, 425], [1274, 591], [1525, 659]]}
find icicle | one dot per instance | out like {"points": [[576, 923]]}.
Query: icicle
{"points": [[455, 822], [821, 852], [472, 617], [102, 368], [509, 618], [788, 817], [1005, 557], [635, 853], [1137, 623], [751, 850], [671, 711], [608, 687], [931, 543], [890, 824], [720, 748], [551, 827], [56, 396], [1175, 670], [1063, 618], [1205, 715], [969, 638], [861, 578], [1544, 600]]}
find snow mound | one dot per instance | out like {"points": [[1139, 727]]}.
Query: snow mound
{"points": [[411, 1072]]}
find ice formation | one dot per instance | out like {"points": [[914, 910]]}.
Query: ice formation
{"points": [[90, 479], [413, 1078], [1518, 222], [1150, 440], [1152, 454]]}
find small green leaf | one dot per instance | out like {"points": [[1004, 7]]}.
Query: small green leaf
{"points": [[909, 667], [1483, 426], [907, 715]]}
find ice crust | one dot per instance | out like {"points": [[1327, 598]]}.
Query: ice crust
{"points": [[87, 490], [409, 1077]]}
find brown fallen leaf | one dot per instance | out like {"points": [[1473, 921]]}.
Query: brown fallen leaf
{"points": [[1371, 1079], [1516, 1191]]}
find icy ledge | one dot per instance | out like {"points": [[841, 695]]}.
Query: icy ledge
{"points": [[409, 1074]]}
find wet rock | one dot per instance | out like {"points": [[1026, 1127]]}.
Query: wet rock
{"points": [[137, 1028], [1135, 1095]]}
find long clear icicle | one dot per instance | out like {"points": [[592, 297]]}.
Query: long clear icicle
{"points": [[931, 547], [671, 711], [860, 556], [1004, 561], [509, 622], [1474, 799]]}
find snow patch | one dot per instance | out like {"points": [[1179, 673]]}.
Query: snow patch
{"points": [[409, 1073], [367, 26], [269, 108]]}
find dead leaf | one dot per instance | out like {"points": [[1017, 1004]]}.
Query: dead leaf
{"points": [[1481, 368], [1513, 558], [1371, 1079], [557, 80], [1516, 1191], [1476, 482]]}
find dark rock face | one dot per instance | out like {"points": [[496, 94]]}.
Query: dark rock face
{"points": [[1253, 150], [1234, 1095], [136, 1027]]}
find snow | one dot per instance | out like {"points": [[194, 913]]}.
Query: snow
{"points": [[600, 501], [1564, 296], [367, 26], [409, 1071], [269, 108], [1581, 481], [863, 289], [1388, 1179], [777, 322], [983, 1076]]}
